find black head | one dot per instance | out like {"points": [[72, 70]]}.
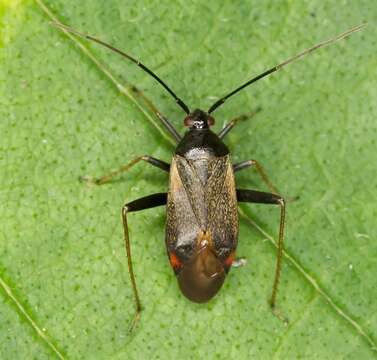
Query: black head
{"points": [[198, 119]]}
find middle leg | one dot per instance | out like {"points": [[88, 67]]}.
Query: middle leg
{"points": [[248, 163], [107, 178]]}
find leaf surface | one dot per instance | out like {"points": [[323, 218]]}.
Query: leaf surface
{"points": [[65, 291]]}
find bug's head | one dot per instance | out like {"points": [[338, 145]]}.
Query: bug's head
{"points": [[198, 119], [201, 276]]}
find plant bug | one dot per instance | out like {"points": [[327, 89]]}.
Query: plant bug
{"points": [[202, 217]]}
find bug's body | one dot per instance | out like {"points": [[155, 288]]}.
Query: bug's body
{"points": [[202, 195], [202, 219]]}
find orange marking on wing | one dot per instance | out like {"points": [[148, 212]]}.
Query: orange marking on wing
{"points": [[229, 260], [174, 261]]}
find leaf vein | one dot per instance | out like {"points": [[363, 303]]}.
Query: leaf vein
{"points": [[9, 293], [315, 284], [123, 89], [292, 325]]}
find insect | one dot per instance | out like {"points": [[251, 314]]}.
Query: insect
{"points": [[201, 202]]}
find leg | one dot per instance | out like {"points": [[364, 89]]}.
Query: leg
{"points": [[234, 122], [138, 63], [239, 262], [259, 197], [245, 164], [137, 205], [165, 122], [105, 179]]}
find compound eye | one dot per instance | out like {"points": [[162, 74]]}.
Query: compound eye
{"points": [[188, 122], [211, 121]]}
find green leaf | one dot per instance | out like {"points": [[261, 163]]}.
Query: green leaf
{"points": [[65, 291]]}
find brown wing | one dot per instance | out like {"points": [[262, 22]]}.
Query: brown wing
{"points": [[181, 222], [202, 196], [221, 199]]}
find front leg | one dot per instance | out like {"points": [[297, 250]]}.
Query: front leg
{"points": [[144, 203], [252, 196], [231, 124], [165, 122]]}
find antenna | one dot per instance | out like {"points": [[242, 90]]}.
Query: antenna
{"points": [[137, 62], [284, 63]]}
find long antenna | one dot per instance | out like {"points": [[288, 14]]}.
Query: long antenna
{"points": [[137, 62], [281, 65]]}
